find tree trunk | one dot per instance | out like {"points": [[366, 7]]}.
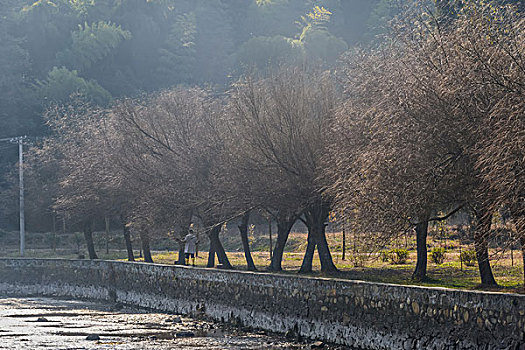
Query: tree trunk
{"points": [[518, 214], [270, 235], [106, 222], [88, 235], [144, 239], [327, 264], [211, 255], [181, 259], [343, 248], [520, 230], [213, 250], [316, 217], [243, 229], [218, 249], [420, 273], [54, 231], [306, 266], [284, 225], [482, 251], [522, 242], [127, 239]]}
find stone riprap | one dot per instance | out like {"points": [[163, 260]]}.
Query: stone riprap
{"points": [[359, 314]]}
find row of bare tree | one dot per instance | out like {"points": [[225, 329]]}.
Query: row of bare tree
{"points": [[435, 121], [432, 121]]}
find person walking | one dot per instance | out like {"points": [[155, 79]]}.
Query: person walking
{"points": [[190, 244]]}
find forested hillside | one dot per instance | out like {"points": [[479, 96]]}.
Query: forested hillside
{"points": [[105, 49]]}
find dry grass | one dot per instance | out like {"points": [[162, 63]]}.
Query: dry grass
{"points": [[450, 274], [508, 272]]}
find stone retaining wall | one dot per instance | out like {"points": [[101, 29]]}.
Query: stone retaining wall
{"points": [[359, 314]]}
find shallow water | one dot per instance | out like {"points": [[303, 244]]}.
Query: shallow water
{"points": [[65, 324]]}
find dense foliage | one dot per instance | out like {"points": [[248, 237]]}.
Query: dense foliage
{"points": [[107, 49]]}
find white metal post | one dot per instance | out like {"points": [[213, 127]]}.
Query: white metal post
{"points": [[21, 186]]}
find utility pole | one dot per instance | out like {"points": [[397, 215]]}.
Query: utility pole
{"points": [[21, 188], [20, 141]]}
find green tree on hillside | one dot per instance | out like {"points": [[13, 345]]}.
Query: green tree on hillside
{"points": [[380, 17], [263, 52], [17, 107], [90, 43], [214, 46], [177, 56], [46, 26], [61, 83], [319, 44]]}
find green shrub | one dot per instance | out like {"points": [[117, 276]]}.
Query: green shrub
{"points": [[468, 257], [385, 255], [437, 255], [398, 256], [358, 260]]}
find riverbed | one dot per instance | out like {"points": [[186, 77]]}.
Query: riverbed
{"points": [[46, 323]]}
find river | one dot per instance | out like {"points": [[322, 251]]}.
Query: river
{"points": [[45, 323]]}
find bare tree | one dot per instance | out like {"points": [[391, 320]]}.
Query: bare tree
{"points": [[76, 144], [243, 230], [385, 166], [406, 139], [171, 153], [495, 44], [282, 119]]}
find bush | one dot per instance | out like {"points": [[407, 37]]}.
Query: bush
{"points": [[385, 255], [398, 256], [468, 257], [437, 255], [358, 260]]}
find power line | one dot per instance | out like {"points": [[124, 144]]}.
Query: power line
{"points": [[5, 147]]}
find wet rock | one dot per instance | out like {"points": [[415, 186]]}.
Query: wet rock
{"points": [[133, 329], [174, 320], [93, 337], [118, 306], [317, 345], [290, 334], [415, 307], [42, 319], [408, 344], [184, 334], [201, 333], [214, 333], [164, 336]]}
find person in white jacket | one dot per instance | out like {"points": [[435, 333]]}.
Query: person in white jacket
{"points": [[190, 246]]}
